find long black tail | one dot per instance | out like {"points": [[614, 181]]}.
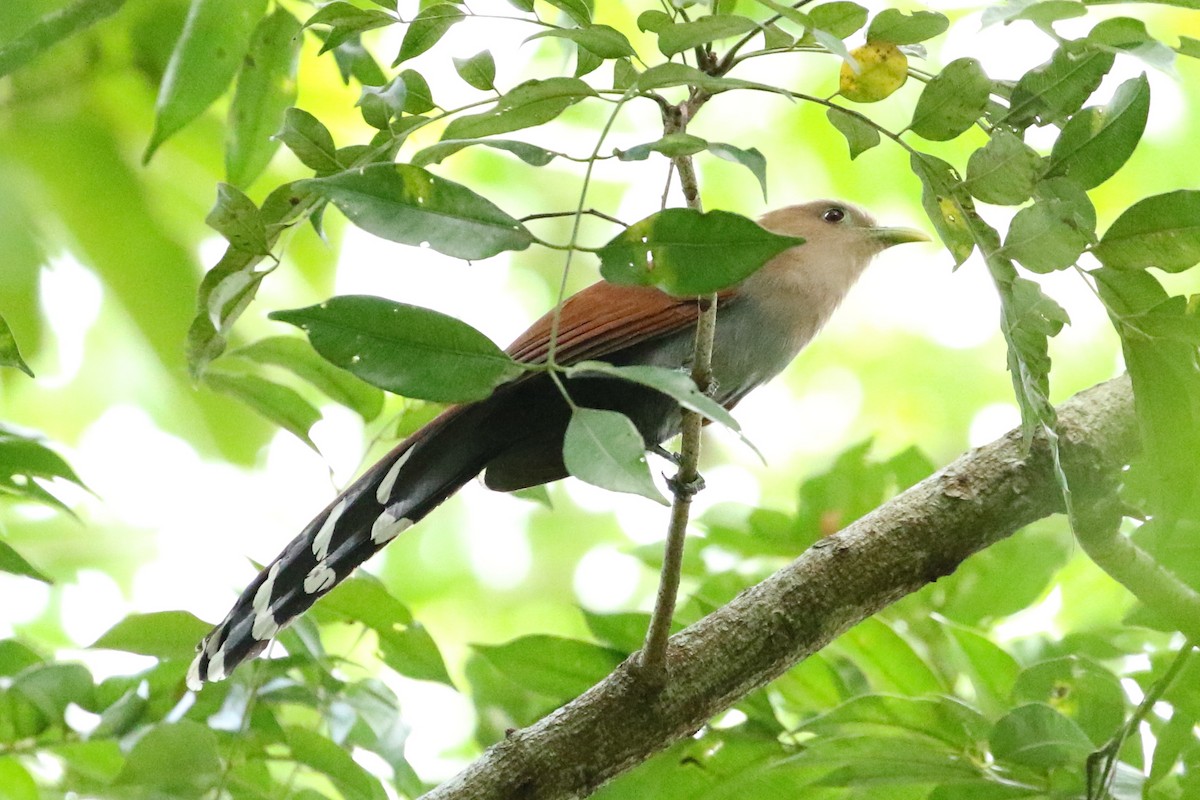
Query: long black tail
{"points": [[398, 491]]}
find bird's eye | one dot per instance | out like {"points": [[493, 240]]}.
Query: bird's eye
{"points": [[834, 214]]}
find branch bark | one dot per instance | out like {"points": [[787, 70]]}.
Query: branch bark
{"points": [[916, 538]]}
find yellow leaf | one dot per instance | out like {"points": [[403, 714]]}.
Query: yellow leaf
{"points": [[882, 69]]}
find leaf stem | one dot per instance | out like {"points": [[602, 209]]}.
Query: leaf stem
{"points": [[556, 317]]}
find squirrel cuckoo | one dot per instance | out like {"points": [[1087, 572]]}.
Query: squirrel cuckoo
{"points": [[515, 435]]}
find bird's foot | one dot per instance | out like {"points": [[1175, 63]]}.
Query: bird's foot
{"points": [[686, 489], [663, 452]]}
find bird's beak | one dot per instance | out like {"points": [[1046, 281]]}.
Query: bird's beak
{"points": [[887, 237]]}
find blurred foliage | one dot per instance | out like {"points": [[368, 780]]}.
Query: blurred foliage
{"points": [[1026, 674]]}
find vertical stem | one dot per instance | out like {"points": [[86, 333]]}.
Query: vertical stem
{"points": [[687, 481]]}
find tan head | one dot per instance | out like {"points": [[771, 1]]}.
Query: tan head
{"points": [[800, 287], [840, 240], [836, 227]]}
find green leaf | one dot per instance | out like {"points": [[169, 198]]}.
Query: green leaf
{"points": [[624, 631], [14, 563], [775, 38], [942, 720], [419, 98], [688, 253], [991, 669], [338, 385], [10, 356], [600, 40], [162, 634], [404, 349], [1047, 236], [625, 74], [407, 204], [551, 665], [24, 461], [266, 87], [237, 219], [838, 18], [604, 448], [281, 405], [310, 141], [898, 28], [889, 764], [1040, 12], [405, 644], [580, 11], [653, 21], [99, 760], [888, 660], [54, 26], [177, 757], [121, 717], [529, 153], [1037, 736], [15, 657], [1058, 88], [675, 384], [380, 104], [661, 76], [347, 22], [683, 36], [671, 145], [204, 61], [1005, 170], [1129, 35], [1096, 142], [322, 754], [751, 158], [1165, 384], [53, 687], [1080, 689], [354, 60], [479, 71], [860, 136], [952, 102], [531, 103], [1189, 47], [17, 783], [942, 198], [786, 12], [1162, 231], [1029, 317], [430, 24]]}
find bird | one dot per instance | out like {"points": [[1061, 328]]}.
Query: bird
{"points": [[515, 435]]}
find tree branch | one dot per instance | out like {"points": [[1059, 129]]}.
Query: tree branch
{"points": [[918, 537]]}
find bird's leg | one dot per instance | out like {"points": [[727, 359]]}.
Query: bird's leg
{"points": [[663, 452]]}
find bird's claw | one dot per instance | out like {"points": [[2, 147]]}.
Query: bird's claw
{"points": [[663, 452], [685, 489]]}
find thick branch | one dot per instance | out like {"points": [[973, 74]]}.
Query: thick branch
{"points": [[925, 533]]}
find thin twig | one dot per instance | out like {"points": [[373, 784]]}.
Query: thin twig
{"points": [[687, 481], [593, 212], [1107, 756], [728, 61]]}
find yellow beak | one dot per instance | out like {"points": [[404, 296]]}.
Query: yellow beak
{"points": [[891, 236]]}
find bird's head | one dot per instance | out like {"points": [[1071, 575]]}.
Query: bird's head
{"points": [[840, 240], [833, 226]]}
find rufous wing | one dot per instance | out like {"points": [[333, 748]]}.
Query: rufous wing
{"points": [[605, 318]]}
